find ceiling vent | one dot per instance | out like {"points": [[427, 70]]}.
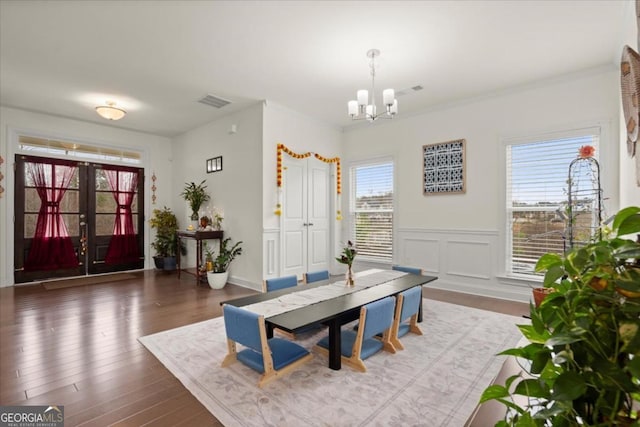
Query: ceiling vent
{"points": [[409, 90], [214, 101]]}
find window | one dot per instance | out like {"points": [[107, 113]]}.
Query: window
{"points": [[371, 206], [46, 147], [536, 196]]}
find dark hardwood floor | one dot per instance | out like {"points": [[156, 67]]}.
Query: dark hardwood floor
{"points": [[78, 347]]}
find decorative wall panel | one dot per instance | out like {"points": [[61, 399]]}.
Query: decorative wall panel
{"points": [[444, 167]]}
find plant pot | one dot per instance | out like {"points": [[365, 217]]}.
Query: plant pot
{"points": [[159, 262], [169, 263], [539, 294], [217, 280]]}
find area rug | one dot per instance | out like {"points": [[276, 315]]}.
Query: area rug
{"points": [[436, 381], [85, 280]]}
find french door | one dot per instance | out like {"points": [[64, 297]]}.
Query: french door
{"points": [[75, 218], [306, 216]]}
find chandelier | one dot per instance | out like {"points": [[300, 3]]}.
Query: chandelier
{"points": [[110, 111], [361, 109]]}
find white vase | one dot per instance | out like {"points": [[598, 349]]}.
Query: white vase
{"points": [[217, 280]]}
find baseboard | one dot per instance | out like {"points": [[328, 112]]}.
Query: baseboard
{"points": [[234, 280], [509, 293]]}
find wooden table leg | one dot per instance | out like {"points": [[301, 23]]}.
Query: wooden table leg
{"points": [[178, 256], [198, 257], [269, 330], [335, 353]]}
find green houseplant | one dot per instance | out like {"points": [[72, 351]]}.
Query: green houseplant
{"points": [[218, 276], [195, 195], [165, 242], [582, 363]]}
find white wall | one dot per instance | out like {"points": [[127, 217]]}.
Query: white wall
{"points": [[237, 189], [301, 134], [156, 158], [460, 237], [629, 179]]}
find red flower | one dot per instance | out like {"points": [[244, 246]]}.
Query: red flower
{"points": [[586, 151]]}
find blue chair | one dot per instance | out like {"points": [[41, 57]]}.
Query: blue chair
{"points": [[412, 270], [277, 283], [271, 357], [407, 308], [375, 318], [316, 276]]}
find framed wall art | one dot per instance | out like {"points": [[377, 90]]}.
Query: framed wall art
{"points": [[444, 167], [214, 164]]}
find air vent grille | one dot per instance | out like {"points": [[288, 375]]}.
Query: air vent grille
{"points": [[214, 101], [409, 90]]}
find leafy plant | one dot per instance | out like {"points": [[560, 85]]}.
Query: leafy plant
{"points": [[583, 357], [166, 240], [195, 195], [223, 260], [348, 254], [208, 252]]}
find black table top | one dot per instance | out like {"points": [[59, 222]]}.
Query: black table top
{"points": [[328, 309]]}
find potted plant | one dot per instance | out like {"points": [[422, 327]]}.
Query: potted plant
{"points": [[208, 258], [582, 363], [165, 242], [218, 276], [195, 195]]}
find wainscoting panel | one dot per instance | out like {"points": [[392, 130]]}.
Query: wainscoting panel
{"points": [[424, 253], [468, 258], [464, 261], [271, 253]]}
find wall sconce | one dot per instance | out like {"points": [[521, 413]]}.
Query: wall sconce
{"points": [[214, 164]]}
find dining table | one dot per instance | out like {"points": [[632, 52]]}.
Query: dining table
{"points": [[330, 302]]}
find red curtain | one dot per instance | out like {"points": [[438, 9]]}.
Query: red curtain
{"points": [[123, 247], [51, 248]]}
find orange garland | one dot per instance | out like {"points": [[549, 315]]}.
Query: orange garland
{"points": [[336, 160]]}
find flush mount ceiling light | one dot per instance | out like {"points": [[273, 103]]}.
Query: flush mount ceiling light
{"points": [[361, 109], [110, 111]]}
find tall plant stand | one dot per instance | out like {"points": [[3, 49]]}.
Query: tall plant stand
{"points": [[584, 209]]}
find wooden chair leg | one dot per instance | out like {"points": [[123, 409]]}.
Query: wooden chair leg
{"points": [[413, 325], [232, 355], [355, 363], [386, 341]]}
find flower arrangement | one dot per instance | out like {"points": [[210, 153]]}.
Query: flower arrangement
{"points": [[349, 253], [586, 151]]}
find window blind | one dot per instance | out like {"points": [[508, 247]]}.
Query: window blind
{"points": [[371, 206], [536, 197]]}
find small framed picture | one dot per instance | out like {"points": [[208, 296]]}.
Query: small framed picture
{"points": [[214, 164], [444, 168]]}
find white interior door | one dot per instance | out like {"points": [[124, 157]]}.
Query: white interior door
{"points": [[306, 216], [318, 214], [294, 213]]}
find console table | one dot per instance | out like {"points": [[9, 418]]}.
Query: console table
{"points": [[198, 236]]}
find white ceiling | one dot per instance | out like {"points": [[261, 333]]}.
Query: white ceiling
{"points": [[157, 58]]}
